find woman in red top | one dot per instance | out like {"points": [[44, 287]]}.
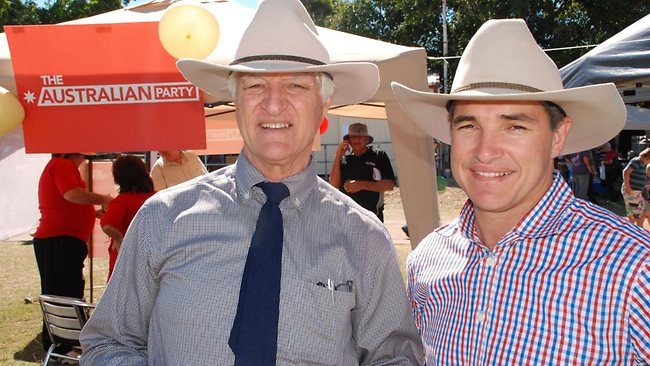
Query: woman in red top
{"points": [[67, 218], [135, 186]]}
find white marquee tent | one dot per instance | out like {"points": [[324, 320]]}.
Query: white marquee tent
{"points": [[413, 148]]}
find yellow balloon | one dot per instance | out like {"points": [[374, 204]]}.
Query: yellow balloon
{"points": [[11, 112], [188, 31]]}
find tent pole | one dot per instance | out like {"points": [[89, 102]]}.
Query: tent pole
{"points": [[90, 241]]}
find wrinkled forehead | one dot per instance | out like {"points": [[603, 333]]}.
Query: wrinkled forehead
{"points": [[292, 76]]}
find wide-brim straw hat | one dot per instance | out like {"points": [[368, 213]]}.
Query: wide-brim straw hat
{"points": [[282, 38], [503, 62]]}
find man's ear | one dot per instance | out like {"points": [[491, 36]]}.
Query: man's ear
{"points": [[326, 106], [560, 136]]}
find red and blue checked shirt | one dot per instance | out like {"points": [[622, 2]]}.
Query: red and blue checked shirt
{"points": [[568, 285]]}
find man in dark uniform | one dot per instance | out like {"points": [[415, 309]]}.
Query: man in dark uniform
{"points": [[361, 172]]}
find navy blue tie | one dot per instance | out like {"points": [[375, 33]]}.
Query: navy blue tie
{"points": [[254, 334]]}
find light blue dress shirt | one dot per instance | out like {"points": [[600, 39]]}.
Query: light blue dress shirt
{"points": [[173, 296]]}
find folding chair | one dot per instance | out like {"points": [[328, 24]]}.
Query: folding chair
{"points": [[64, 317]]}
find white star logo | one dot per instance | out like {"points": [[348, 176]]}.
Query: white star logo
{"points": [[29, 96]]}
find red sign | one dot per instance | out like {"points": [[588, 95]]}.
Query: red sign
{"points": [[102, 88]]}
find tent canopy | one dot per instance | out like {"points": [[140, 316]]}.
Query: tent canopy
{"points": [[637, 118], [413, 148], [623, 59]]}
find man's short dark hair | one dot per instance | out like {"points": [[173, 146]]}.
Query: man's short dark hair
{"points": [[555, 112]]}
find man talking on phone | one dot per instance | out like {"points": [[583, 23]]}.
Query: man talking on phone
{"points": [[360, 172]]}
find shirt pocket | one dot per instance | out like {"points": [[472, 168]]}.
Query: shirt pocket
{"points": [[316, 325]]}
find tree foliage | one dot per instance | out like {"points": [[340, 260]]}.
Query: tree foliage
{"points": [[554, 23], [13, 12], [319, 10]]}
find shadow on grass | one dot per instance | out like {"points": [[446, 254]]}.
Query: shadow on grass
{"points": [[32, 352]]}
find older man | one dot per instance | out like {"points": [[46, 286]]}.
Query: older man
{"points": [[315, 282], [174, 167], [527, 274]]}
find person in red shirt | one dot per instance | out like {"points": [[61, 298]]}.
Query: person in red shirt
{"points": [[67, 219], [135, 187]]}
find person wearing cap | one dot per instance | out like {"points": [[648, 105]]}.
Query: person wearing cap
{"points": [[363, 174], [181, 294], [67, 219], [527, 274], [174, 167]]}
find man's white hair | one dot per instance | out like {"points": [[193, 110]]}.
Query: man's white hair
{"points": [[327, 85]]}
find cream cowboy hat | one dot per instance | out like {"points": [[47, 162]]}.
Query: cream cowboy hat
{"points": [[283, 38], [503, 62]]}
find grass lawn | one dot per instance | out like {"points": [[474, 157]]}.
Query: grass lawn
{"points": [[20, 314]]}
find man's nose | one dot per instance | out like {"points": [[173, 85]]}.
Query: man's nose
{"points": [[275, 99], [488, 146]]}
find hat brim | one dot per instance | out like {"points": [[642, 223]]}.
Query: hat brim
{"points": [[370, 138], [597, 111], [355, 81]]}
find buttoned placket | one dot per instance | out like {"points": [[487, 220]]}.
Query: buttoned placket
{"points": [[489, 273], [482, 307]]}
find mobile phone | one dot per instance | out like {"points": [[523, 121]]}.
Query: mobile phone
{"points": [[348, 149]]}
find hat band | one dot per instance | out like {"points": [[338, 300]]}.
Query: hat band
{"points": [[498, 85], [304, 60]]}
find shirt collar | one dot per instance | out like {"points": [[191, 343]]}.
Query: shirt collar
{"points": [[543, 220], [300, 185]]}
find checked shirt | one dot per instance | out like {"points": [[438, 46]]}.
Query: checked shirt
{"points": [[568, 285]]}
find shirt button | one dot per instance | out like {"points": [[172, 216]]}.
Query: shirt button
{"points": [[480, 316], [490, 261]]}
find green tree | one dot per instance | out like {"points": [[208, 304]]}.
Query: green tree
{"points": [[17, 12], [65, 10], [319, 10], [554, 23], [28, 12]]}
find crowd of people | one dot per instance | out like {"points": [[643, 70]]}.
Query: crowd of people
{"points": [[600, 170], [263, 263]]}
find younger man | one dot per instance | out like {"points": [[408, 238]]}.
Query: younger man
{"points": [[527, 274]]}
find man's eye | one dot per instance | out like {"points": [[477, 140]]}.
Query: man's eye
{"points": [[518, 128], [297, 86], [466, 126], [253, 86]]}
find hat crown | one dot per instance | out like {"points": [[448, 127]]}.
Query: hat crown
{"points": [[501, 56], [358, 129], [265, 39]]}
